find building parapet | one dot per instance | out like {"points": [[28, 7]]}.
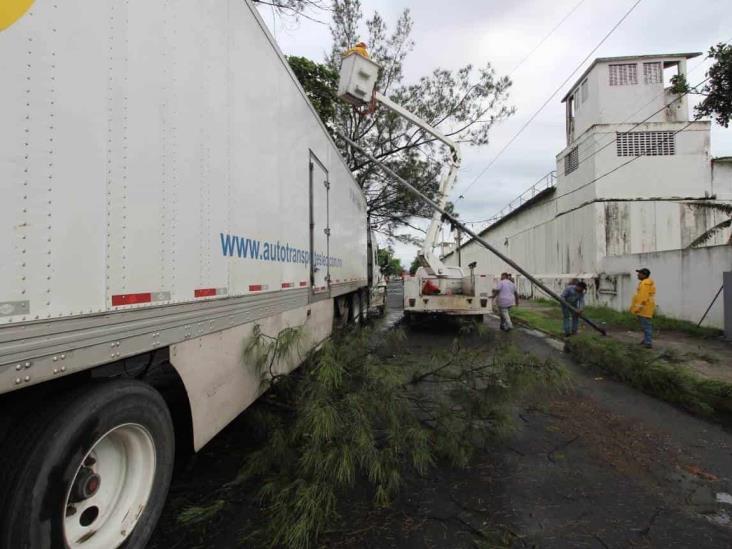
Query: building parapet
{"points": [[549, 181]]}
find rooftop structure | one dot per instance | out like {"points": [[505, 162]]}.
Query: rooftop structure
{"points": [[615, 90]]}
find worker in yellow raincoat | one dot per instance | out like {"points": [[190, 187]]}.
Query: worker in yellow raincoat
{"points": [[359, 49], [644, 305]]}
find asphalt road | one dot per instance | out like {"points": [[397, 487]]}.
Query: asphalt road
{"points": [[597, 465]]}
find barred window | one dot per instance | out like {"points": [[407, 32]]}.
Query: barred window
{"points": [[646, 143], [571, 161], [623, 75], [583, 91], [652, 73]]}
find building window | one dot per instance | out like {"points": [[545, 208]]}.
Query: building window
{"points": [[571, 161], [646, 143], [652, 73], [577, 101], [583, 91], [623, 75]]}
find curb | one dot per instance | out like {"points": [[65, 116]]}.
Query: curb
{"points": [[548, 338]]}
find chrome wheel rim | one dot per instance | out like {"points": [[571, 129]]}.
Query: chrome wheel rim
{"points": [[110, 489]]}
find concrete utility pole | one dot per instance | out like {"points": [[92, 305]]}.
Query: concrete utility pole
{"points": [[727, 303], [477, 238]]}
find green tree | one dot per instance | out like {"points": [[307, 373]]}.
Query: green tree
{"points": [[714, 207], [414, 266], [717, 102], [390, 265], [464, 104], [362, 415], [295, 8], [320, 82], [717, 89]]}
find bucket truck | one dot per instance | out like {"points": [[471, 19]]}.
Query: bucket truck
{"points": [[436, 288]]}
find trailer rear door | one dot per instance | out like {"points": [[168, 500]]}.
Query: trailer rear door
{"points": [[319, 226]]}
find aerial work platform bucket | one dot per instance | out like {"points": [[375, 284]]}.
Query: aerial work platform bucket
{"points": [[357, 79]]}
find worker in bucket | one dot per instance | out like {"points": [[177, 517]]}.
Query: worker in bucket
{"points": [[574, 294], [644, 305], [359, 49], [506, 296]]}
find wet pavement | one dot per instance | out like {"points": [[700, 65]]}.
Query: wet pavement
{"points": [[598, 465]]}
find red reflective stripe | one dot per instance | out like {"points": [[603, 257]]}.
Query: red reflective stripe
{"points": [[204, 292], [131, 299], [255, 287], [303, 283], [288, 284]]}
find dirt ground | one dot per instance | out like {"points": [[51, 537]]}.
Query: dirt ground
{"points": [[710, 358], [598, 465]]}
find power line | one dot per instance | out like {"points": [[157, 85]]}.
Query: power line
{"points": [[687, 92], [613, 140], [533, 116], [541, 42], [616, 168]]}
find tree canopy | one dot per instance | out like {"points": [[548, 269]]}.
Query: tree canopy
{"points": [[717, 102], [390, 265], [416, 264], [295, 8], [464, 104], [320, 82]]}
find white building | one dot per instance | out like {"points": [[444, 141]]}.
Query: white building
{"points": [[624, 196]]}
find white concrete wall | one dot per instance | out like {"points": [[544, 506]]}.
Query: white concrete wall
{"points": [[567, 245], [604, 242], [722, 179], [686, 174], [647, 226], [686, 281]]}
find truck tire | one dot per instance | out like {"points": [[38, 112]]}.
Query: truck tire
{"points": [[90, 470]]}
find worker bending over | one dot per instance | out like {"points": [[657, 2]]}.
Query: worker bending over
{"points": [[574, 294]]}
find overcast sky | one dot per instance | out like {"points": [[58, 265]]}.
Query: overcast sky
{"points": [[452, 34]]}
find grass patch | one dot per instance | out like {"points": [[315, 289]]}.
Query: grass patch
{"points": [[653, 373], [547, 319], [547, 316]]}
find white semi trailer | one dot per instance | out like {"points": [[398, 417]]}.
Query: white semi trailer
{"points": [[165, 186]]}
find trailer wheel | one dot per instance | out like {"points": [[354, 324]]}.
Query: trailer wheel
{"points": [[341, 313], [90, 471], [357, 308]]}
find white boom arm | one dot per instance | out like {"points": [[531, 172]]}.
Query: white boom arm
{"points": [[427, 255]]}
